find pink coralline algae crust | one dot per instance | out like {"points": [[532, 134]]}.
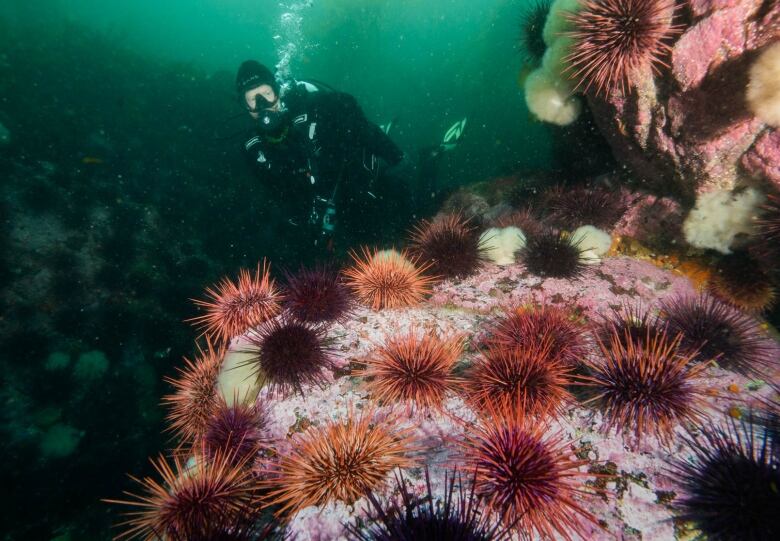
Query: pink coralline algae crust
{"points": [[612, 283], [689, 131], [638, 500], [763, 158], [651, 220]]}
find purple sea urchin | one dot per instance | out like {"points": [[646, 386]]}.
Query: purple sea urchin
{"points": [[552, 255], [458, 516], [449, 244], [741, 281], [317, 296], [712, 330], [730, 487], [647, 387], [630, 321], [289, 354], [531, 42], [615, 39], [572, 207], [236, 430]]}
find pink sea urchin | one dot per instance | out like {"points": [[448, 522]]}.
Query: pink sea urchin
{"points": [[614, 39]]}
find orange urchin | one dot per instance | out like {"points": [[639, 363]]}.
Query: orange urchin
{"points": [[647, 386], [527, 324], [387, 279], [526, 377], [339, 461], [234, 308], [415, 368], [199, 502], [450, 244], [527, 476], [195, 395]]}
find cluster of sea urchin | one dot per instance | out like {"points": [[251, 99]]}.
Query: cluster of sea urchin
{"points": [[647, 386], [415, 368], [450, 245], [339, 461], [730, 487], [387, 279], [613, 40], [235, 307], [288, 354], [527, 476]]}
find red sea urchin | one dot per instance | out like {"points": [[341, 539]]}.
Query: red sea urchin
{"points": [[415, 368], [647, 387], [526, 378], [523, 325], [450, 244], [458, 517], [730, 487], [615, 39], [387, 279], [317, 296], [234, 307], [202, 502], [339, 461], [195, 395], [527, 476], [288, 355], [712, 330]]}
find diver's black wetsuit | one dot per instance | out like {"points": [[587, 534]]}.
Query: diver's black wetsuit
{"points": [[323, 161]]}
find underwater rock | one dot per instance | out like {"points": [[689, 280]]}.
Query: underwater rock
{"points": [[687, 131], [763, 158]]}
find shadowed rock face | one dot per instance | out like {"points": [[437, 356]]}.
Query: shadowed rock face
{"points": [[688, 130]]}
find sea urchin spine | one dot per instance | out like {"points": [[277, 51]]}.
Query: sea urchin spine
{"points": [[339, 461], [527, 476], [451, 246], [387, 279], [647, 387], [235, 307], [615, 39], [415, 368]]}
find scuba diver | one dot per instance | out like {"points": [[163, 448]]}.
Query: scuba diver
{"points": [[313, 147]]}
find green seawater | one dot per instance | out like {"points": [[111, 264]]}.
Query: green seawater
{"points": [[123, 193]]}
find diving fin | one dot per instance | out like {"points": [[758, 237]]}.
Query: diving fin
{"points": [[453, 135], [389, 126]]}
